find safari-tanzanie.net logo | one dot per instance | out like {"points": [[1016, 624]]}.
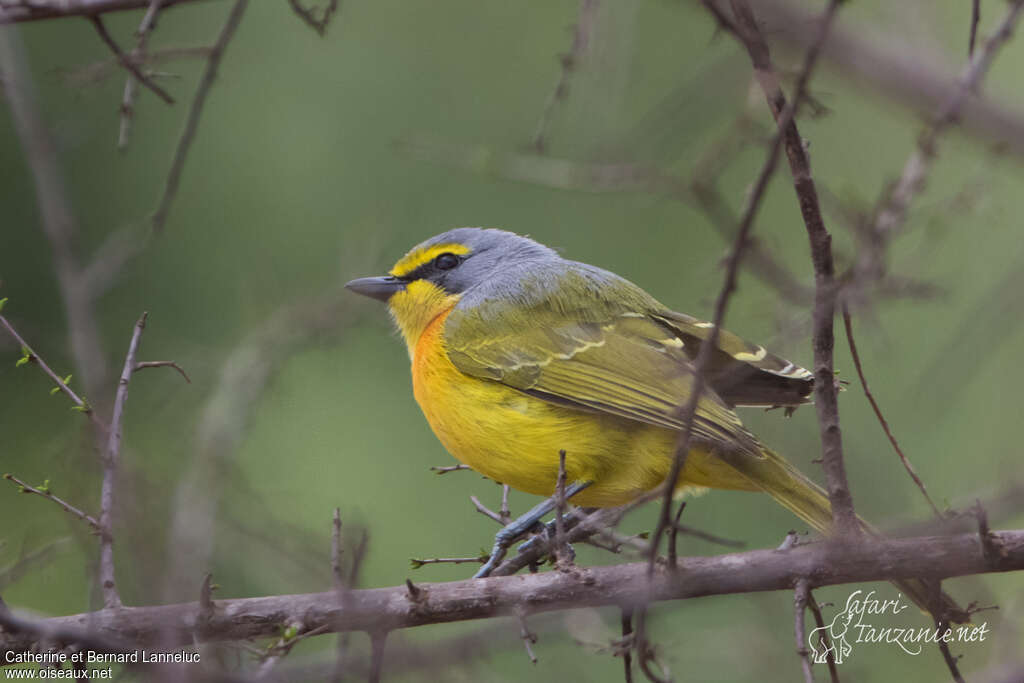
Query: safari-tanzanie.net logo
{"points": [[853, 625]]}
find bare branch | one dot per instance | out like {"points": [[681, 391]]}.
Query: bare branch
{"points": [[975, 19], [142, 365], [486, 511], [35, 10], [128, 98], [336, 552], [785, 119], [580, 38], [388, 608], [940, 627], [68, 507], [826, 402], [195, 112], [126, 62], [848, 324], [800, 597], [885, 64], [529, 637], [627, 635], [445, 469], [110, 464], [819, 621], [562, 553], [308, 15], [418, 562], [893, 206]]}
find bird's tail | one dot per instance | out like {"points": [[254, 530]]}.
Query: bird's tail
{"points": [[808, 501]]}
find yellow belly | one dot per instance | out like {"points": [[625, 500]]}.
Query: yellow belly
{"points": [[515, 438]]}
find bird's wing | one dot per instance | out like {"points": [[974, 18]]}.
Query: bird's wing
{"points": [[742, 373], [594, 348]]}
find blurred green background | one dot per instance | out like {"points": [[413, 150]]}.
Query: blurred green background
{"points": [[303, 176]]}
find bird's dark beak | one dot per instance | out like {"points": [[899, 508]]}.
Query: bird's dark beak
{"points": [[380, 288]]}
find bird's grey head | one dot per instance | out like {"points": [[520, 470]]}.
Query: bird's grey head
{"points": [[458, 260]]}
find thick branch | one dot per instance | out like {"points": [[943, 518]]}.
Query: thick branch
{"points": [[384, 609]]}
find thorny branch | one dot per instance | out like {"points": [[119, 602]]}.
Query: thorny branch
{"points": [[127, 62], [825, 391], [785, 116], [391, 608]]}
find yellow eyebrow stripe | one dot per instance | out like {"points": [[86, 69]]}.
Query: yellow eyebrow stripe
{"points": [[415, 259]]}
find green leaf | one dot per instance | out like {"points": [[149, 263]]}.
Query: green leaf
{"points": [[22, 361], [67, 380], [45, 486], [290, 633], [2, 302], [54, 390]]}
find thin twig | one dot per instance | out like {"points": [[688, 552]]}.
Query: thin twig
{"points": [[194, 114], [142, 365], [111, 457], [705, 536], [486, 511], [528, 636], [138, 52], [941, 626], [645, 651], [826, 401], [36, 359], [445, 469], [848, 324], [800, 597], [336, 552], [418, 562], [503, 511], [68, 507], [975, 19], [627, 637], [672, 533], [308, 15], [562, 555], [830, 655], [689, 411], [569, 61], [126, 62]]}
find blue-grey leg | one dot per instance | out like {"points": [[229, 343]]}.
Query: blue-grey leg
{"points": [[519, 526]]}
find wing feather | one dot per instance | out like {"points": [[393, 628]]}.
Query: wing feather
{"points": [[598, 346]]}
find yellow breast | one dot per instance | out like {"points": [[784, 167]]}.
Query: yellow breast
{"points": [[515, 438]]}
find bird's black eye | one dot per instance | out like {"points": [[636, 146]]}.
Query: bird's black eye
{"points": [[446, 261]]}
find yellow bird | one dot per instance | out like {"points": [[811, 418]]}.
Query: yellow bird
{"points": [[518, 353]]}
